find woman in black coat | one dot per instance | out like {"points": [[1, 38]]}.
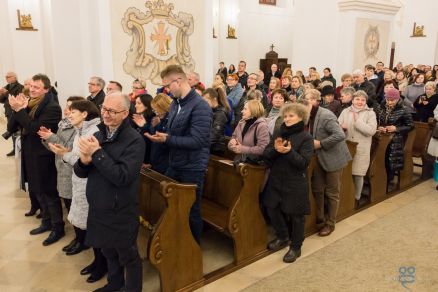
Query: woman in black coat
{"points": [[426, 103], [142, 119], [287, 197], [392, 117], [217, 100]]}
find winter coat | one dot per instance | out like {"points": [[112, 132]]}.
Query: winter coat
{"points": [[361, 131], [189, 133], [402, 119], [424, 112], [79, 206], [217, 134], [411, 93], [37, 162], [65, 136], [257, 132], [112, 187], [160, 151], [287, 183], [368, 87], [333, 154], [13, 89], [98, 99], [335, 107], [432, 149], [329, 78]]}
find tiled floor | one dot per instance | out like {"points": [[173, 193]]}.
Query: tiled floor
{"points": [[26, 265]]}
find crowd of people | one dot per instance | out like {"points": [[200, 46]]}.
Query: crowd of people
{"points": [[89, 155]]}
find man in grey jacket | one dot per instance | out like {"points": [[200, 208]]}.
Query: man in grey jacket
{"points": [[333, 155]]}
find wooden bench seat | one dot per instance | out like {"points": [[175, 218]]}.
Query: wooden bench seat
{"points": [[164, 237], [230, 203]]}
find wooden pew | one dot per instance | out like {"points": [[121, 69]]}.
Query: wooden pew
{"points": [[346, 195], [406, 174], [422, 138], [164, 236], [376, 176], [230, 203]]}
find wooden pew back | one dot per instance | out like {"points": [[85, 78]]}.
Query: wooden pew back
{"points": [[165, 237], [230, 203]]}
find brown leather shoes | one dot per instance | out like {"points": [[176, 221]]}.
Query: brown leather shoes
{"points": [[326, 230]]}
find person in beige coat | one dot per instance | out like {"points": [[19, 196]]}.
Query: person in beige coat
{"points": [[360, 123]]}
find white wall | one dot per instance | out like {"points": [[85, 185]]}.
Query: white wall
{"points": [[75, 39]]}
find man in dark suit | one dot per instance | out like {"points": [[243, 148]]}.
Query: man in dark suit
{"points": [[41, 110], [112, 159], [13, 87], [222, 69], [95, 87], [274, 72]]}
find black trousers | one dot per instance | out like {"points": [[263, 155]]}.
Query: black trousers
{"points": [[288, 226], [51, 209], [126, 260], [67, 203]]}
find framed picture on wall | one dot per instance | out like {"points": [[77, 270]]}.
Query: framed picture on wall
{"points": [[268, 2]]}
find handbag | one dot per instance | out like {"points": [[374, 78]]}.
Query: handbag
{"points": [[249, 158]]}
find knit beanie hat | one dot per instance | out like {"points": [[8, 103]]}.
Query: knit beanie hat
{"points": [[392, 94]]}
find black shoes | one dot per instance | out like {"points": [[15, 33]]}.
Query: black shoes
{"points": [[12, 153], [277, 244], [31, 212], [69, 246], [108, 288], [88, 269], [291, 255], [96, 276], [76, 248], [41, 229], [53, 237]]}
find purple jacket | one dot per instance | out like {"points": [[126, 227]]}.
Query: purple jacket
{"points": [[260, 129]]}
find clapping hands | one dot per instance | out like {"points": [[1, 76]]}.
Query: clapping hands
{"points": [[235, 146], [18, 102], [282, 146], [44, 133]]}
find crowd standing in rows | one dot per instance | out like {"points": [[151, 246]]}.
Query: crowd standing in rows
{"points": [[91, 157]]}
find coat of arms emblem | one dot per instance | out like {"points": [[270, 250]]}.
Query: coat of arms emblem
{"points": [[153, 45]]}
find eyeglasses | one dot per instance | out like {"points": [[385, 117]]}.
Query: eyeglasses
{"points": [[109, 111], [168, 84], [94, 84]]}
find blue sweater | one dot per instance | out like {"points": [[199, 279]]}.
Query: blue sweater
{"points": [[189, 133]]}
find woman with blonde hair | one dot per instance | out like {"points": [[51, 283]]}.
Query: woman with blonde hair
{"points": [[159, 157], [273, 85], [251, 135], [287, 197]]}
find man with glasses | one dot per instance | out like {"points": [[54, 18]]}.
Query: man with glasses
{"points": [[112, 159], [188, 138], [13, 87], [95, 87]]}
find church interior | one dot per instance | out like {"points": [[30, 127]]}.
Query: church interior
{"points": [[388, 243]]}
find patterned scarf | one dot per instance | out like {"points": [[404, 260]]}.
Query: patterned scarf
{"points": [[33, 105]]}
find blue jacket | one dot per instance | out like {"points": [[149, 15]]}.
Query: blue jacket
{"points": [[189, 133], [159, 151]]}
